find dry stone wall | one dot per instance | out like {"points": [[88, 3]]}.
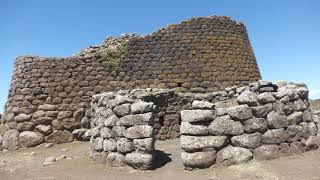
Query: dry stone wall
{"points": [[123, 133], [50, 97], [267, 122]]}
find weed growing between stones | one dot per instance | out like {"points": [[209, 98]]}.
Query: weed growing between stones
{"points": [[113, 58]]}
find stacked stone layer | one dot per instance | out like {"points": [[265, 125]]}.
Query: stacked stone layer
{"points": [[198, 55], [263, 123], [122, 132]]}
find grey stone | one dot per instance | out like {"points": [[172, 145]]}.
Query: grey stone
{"points": [[262, 111], [187, 128], [59, 136], [255, 125], [299, 105], [110, 145], [44, 129], [274, 136], [99, 157], [11, 140], [137, 119], [43, 120], [124, 145], [276, 120], [38, 114], [233, 155], [49, 161], [250, 141], [294, 132], [247, 97], [64, 114], [312, 143], [295, 118], [197, 115], [307, 116], [312, 129], [266, 97], [106, 133], [241, 112], [144, 145], [22, 118], [97, 143], [195, 143], [78, 114], [30, 138], [139, 160], [115, 159], [25, 126], [303, 92], [111, 121], [266, 152], [136, 132], [296, 147], [122, 110], [141, 107], [47, 107], [198, 159], [225, 126], [118, 131], [202, 105], [79, 134]]}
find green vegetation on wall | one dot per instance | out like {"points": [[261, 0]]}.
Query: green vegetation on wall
{"points": [[113, 58]]}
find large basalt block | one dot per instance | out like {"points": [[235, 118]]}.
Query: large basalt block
{"points": [[233, 155], [198, 159], [224, 125], [59, 136], [197, 115], [30, 138], [139, 160], [138, 132], [241, 112], [196, 143], [137, 119]]}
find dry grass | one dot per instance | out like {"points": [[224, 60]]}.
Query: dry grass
{"points": [[315, 104]]}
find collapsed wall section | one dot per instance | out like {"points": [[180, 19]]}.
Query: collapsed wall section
{"points": [[123, 131], [264, 123]]}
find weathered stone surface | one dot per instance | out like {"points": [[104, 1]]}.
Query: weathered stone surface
{"points": [[241, 112], [122, 110], [276, 120], [78, 114], [233, 155], [115, 159], [30, 138], [38, 114], [44, 129], [197, 115], [144, 145], [295, 118], [266, 97], [99, 157], [248, 97], [106, 132], [202, 105], [43, 120], [255, 125], [187, 128], [111, 121], [312, 143], [137, 132], [274, 136], [79, 134], [139, 160], [97, 143], [261, 111], [195, 143], [22, 118], [59, 136], [57, 124], [250, 141], [124, 145], [47, 107], [266, 152], [118, 131], [64, 114], [137, 119], [109, 145], [25, 126], [198, 159], [307, 116], [141, 107], [294, 132], [11, 140], [225, 126]]}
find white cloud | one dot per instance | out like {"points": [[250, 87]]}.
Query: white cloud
{"points": [[314, 93]]}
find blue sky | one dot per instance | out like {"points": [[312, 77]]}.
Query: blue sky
{"points": [[285, 34]]}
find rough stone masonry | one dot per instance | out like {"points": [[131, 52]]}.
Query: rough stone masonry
{"points": [[266, 121], [49, 98]]}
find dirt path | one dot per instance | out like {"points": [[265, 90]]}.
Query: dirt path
{"points": [[27, 164]]}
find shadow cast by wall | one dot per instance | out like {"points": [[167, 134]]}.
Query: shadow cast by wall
{"points": [[160, 159]]}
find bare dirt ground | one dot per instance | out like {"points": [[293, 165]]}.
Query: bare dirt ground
{"points": [[27, 164]]}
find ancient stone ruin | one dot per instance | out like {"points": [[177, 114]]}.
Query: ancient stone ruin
{"points": [[197, 80]]}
